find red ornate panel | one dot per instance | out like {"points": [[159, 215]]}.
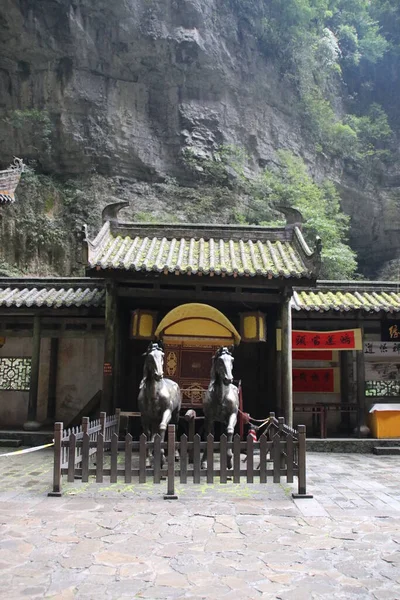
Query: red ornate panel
{"points": [[190, 367]]}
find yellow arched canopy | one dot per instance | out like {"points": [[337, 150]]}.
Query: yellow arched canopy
{"points": [[198, 323]]}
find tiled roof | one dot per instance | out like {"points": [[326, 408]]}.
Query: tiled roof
{"points": [[203, 249], [55, 293], [348, 296]]}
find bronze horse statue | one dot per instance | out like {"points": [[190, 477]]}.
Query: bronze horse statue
{"points": [[159, 398], [221, 401]]}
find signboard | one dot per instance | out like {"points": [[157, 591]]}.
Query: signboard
{"points": [[382, 349], [391, 331], [316, 380], [344, 339]]}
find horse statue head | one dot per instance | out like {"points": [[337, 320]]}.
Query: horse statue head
{"points": [[154, 363], [222, 366]]}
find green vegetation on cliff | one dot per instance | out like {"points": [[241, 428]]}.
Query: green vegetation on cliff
{"points": [[323, 47], [254, 200]]}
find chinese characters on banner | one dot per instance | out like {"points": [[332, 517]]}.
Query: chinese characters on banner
{"points": [[382, 349], [391, 331], [316, 380], [346, 339]]}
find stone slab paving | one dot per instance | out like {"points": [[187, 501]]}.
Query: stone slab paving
{"points": [[221, 541]]}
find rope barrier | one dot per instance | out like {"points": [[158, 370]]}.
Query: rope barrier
{"points": [[27, 450]]}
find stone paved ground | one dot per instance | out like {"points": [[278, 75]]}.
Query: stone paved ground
{"points": [[247, 541]]}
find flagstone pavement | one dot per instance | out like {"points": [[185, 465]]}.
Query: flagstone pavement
{"points": [[223, 541]]}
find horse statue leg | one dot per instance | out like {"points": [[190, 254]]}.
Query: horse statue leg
{"points": [[167, 414], [147, 430], [229, 431]]}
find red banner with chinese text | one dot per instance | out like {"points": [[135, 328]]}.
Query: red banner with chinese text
{"points": [[344, 339], [316, 380]]}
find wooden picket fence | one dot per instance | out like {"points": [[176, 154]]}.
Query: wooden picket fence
{"points": [[70, 444], [95, 451]]}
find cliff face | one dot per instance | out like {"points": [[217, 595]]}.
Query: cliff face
{"points": [[118, 91]]}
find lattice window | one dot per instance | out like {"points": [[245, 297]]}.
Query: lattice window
{"points": [[382, 389], [15, 374]]}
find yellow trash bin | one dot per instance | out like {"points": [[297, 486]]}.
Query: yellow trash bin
{"points": [[385, 420]]}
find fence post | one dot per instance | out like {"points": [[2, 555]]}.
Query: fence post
{"points": [[118, 419], [190, 417], [302, 486], [103, 423], [85, 424], [170, 495], [281, 421], [58, 429]]}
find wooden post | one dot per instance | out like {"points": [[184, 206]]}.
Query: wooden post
{"points": [[170, 495], [52, 389], [302, 486], [109, 348], [273, 369], [117, 362], [345, 418], [58, 430], [190, 417], [103, 423], [362, 429], [286, 359], [32, 423], [118, 419]]}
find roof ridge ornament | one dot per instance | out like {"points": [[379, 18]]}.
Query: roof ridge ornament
{"points": [[110, 212], [317, 255], [293, 215]]}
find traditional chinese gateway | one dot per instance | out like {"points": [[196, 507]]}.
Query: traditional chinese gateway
{"points": [[315, 352]]}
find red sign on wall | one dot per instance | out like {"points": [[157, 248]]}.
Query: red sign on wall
{"points": [[107, 369], [347, 339], [315, 380], [344, 339], [311, 355]]}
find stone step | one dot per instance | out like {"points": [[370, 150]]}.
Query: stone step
{"points": [[386, 450], [10, 443], [27, 438]]}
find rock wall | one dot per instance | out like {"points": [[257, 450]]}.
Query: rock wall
{"points": [[127, 86]]}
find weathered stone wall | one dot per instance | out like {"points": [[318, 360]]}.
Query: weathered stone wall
{"points": [[79, 375]]}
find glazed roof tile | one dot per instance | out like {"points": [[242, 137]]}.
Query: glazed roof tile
{"points": [[55, 293], [343, 297], [203, 249], [369, 297]]}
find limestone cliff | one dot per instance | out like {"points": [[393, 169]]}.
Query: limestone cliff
{"points": [[117, 92]]}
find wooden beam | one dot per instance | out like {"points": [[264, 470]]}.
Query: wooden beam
{"points": [[196, 295], [286, 358], [109, 347]]}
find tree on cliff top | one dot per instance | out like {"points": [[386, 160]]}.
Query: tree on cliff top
{"points": [[291, 185]]}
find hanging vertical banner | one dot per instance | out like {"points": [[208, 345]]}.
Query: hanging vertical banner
{"points": [[344, 339], [316, 380]]}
